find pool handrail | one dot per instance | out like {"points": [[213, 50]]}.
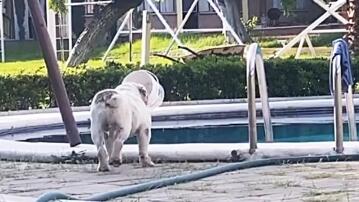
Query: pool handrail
{"points": [[338, 111], [255, 62], [336, 68]]}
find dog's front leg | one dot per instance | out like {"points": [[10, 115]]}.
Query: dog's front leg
{"points": [[97, 136], [143, 139]]}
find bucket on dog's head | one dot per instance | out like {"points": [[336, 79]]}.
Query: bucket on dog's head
{"points": [[150, 81]]}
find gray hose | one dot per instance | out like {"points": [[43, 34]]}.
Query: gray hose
{"points": [[155, 184]]}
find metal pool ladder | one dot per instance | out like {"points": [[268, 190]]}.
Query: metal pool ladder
{"points": [[255, 63], [338, 107]]}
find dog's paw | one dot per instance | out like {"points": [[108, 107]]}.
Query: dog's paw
{"points": [[115, 162], [103, 168], [147, 162]]}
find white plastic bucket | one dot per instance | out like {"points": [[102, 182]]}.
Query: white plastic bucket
{"points": [[150, 81]]}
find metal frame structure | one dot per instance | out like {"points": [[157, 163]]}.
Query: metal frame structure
{"points": [[169, 30], [2, 37], [54, 29], [51, 19], [330, 10]]}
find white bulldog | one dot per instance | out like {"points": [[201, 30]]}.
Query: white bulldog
{"points": [[117, 114]]}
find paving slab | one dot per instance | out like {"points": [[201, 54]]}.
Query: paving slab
{"points": [[336, 181]]}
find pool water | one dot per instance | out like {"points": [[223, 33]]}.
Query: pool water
{"points": [[226, 134]]}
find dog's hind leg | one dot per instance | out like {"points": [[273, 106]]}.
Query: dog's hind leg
{"points": [[97, 136], [109, 140], [143, 139], [119, 138]]}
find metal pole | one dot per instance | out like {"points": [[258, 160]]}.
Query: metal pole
{"points": [[54, 73], [262, 84], [338, 114], [146, 37], [351, 115], [69, 24], [2, 33], [251, 95], [255, 64], [130, 35]]}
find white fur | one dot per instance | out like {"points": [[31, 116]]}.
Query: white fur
{"points": [[117, 114]]}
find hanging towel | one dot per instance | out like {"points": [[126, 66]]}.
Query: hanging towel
{"points": [[340, 47]]}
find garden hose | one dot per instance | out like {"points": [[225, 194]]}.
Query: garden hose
{"points": [[156, 184]]}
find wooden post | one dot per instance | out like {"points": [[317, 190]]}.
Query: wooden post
{"points": [[179, 11], [245, 10], [146, 37], [54, 73], [51, 26]]}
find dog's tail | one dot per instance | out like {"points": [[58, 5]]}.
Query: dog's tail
{"points": [[109, 98]]}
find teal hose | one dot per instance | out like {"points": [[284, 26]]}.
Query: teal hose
{"points": [[155, 184]]}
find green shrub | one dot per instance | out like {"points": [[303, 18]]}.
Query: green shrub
{"points": [[209, 78]]}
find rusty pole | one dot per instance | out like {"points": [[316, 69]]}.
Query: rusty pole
{"points": [[56, 81]]}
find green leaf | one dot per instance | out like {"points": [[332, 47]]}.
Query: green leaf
{"points": [[58, 6]]}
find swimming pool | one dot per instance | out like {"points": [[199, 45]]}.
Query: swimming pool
{"points": [[303, 132], [224, 121]]}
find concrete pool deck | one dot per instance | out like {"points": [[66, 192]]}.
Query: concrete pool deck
{"points": [[25, 181], [337, 181]]}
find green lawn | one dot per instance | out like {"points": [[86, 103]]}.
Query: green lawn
{"points": [[26, 58]]}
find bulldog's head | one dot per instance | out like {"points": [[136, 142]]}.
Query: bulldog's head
{"points": [[136, 88], [143, 93]]}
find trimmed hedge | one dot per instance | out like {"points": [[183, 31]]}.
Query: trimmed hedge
{"points": [[210, 78]]}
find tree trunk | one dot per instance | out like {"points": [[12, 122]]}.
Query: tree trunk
{"points": [[353, 19], [94, 33], [354, 7], [232, 14]]}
